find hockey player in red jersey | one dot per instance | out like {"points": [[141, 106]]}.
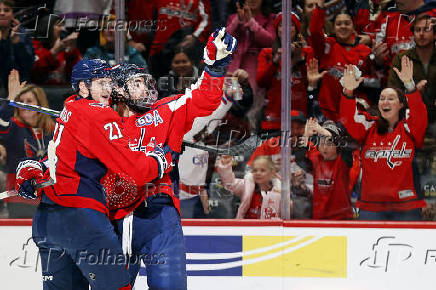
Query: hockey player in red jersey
{"points": [[71, 224], [156, 221], [389, 141]]}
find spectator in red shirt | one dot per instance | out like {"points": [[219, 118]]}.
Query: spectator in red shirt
{"points": [[269, 74], [333, 54], [55, 52], [331, 172], [388, 147]]}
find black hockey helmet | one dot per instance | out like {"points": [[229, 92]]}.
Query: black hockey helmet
{"points": [[128, 78]]}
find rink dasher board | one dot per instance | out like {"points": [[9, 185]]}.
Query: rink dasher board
{"points": [[231, 254]]}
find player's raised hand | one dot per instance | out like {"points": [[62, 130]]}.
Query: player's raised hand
{"points": [[29, 172], [218, 51]]}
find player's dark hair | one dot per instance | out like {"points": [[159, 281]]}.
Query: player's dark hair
{"points": [[382, 123]]}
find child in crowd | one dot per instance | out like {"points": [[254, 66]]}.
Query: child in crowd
{"points": [[331, 171], [260, 202]]}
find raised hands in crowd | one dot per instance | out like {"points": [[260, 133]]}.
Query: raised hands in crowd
{"points": [[313, 75], [406, 73], [243, 11], [14, 84]]}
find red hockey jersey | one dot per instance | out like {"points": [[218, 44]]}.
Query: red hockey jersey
{"points": [[333, 57], [90, 141], [395, 29], [166, 123], [331, 190], [389, 177]]}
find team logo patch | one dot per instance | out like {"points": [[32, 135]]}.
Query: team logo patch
{"points": [[390, 153], [149, 119]]}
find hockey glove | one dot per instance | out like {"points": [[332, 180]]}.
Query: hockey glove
{"points": [[29, 172], [164, 159], [218, 51]]}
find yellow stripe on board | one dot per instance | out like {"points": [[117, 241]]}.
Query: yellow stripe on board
{"points": [[308, 256]]}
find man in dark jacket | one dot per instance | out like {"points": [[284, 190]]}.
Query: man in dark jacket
{"points": [[16, 51]]}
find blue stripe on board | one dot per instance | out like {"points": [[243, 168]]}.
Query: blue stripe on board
{"points": [[213, 244]]}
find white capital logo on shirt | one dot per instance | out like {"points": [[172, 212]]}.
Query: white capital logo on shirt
{"points": [[390, 153]]}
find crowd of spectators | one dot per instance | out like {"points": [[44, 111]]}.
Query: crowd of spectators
{"points": [[345, 164]]}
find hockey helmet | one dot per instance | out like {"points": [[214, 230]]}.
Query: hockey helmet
{"points": [[88, 69], [138, 95]]}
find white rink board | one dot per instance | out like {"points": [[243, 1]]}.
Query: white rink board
{"points": [[375, 258]]}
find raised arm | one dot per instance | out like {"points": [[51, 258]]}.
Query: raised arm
{"points": [[224, 168], [6, 111], [416, 118], [205, 96], [316, 28], [203, 26], [356, 123], [267, 67]]}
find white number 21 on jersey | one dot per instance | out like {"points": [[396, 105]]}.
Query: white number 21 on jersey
{"points": [[112, 134]]}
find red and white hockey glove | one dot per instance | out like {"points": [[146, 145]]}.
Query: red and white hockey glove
{"points": [[29, 172], [218, 51], [164, 159]]}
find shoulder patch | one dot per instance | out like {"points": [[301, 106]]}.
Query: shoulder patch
{"points": [[149, 118]]}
